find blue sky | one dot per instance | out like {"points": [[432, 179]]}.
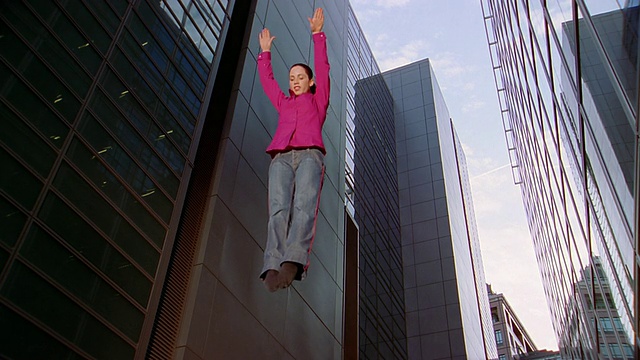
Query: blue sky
{"points": [[451, 34]]}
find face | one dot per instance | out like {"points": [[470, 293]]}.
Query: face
{"points": [[299, 81]]}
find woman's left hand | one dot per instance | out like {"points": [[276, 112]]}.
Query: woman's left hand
{"points": [[317, 21]]}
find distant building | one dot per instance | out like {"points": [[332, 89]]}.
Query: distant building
{"points": [[541, 355], [600, 313], [447, 307], [512, 339], [371, 184]]}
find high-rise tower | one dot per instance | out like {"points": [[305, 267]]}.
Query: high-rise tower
{"points": [[567, 80], [445, 290]]}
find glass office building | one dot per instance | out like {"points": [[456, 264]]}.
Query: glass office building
{"points": [[447, 306], [102, 105], [372, 185], [567, 81], [133, 191]]}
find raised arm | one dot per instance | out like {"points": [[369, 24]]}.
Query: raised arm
{"points": [[320, 60], [268, 81]]}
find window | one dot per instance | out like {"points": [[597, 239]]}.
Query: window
{"points": [[628, 350], [499, 338], [502, 357], [606, 325], [494, 315], [614, 350], [618, 324]]}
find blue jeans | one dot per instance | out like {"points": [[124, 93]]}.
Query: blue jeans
{"points": [[295, 182]]}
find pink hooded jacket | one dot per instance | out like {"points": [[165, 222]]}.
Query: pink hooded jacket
{"points": [[300, 117]]}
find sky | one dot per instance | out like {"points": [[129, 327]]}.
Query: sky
{"points": [[451, 34]]}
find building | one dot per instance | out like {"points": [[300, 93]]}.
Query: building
{"points": [[601, 309], [511, 337], [134, 188], [372, 200], [566, 76], [447, 308], [542, 355]]}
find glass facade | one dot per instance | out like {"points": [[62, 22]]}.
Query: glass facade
{"points": [[101, 102], [372, 198], [134, 188], [446, 300], [567, 74]]}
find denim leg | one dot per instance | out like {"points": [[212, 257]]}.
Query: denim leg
{"points": [[281, 185], [308, 184]]}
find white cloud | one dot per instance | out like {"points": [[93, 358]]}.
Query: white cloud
{"points": [[405, 54], [382, 3], [470, 86], [449, 65], [472, 105], [392, 3]]}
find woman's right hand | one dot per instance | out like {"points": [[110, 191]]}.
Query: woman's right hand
{"points": [[265, 39]]}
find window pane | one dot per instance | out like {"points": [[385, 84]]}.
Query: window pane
{"points": [[107, 182], [144, 126], [89, 24], [614, 350], [19, 16], [119, 5], [41, 250], [21, 139], [101, 253], [52, 52], [99, 211], [111, 187], [23, 340], [120, 160], [628, 350], [153, 46], [195, 65], [68, 31], [11, 222], [49, 305], [31, 107], [17, 182], [4, 256], [108, 18], [147, 92], [158, 77], [499, 339], [48, 86]]}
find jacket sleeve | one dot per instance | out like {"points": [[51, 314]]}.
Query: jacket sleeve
{"points": [[321, 64], [269, 83]]}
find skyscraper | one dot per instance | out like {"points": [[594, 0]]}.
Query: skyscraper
{"points": [[133, 187], [103, 105], [447, 307], [133, 191], [566, 75], [372, 183]]}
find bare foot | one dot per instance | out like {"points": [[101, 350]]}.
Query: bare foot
{"points": [[272, 280], [288, 271]]}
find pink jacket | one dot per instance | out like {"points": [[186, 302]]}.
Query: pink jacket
{"points": [[300, 117]]}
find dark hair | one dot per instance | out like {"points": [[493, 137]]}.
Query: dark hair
{"points": [[309, 72]]}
